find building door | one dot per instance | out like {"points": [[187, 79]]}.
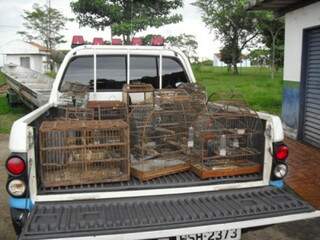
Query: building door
{"points": [[311, 87], [25, 62]]}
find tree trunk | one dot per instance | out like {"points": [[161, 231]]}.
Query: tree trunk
{"points": [[235, 69], [235, 49], [273, 56], [126, 39], [234, 64]]}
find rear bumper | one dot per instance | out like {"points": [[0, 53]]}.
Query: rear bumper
{"points": [[165, 216], [201, 229]]}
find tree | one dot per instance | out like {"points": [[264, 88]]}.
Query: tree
{"points": [[44, 24], [126, 17], [259, 57], [227, 56], [271, 30], [233, 25], [186, 43]]}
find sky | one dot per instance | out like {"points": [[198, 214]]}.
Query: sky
{"points": [[11, 21]]}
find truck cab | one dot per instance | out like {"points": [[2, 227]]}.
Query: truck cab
{"points": [[180, 205]]}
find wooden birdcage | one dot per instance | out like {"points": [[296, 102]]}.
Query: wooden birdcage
{"points": [[138, 94], [228, 141], [83, 152], [76, 113], [104, 110]]}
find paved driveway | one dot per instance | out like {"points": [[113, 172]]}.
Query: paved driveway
{"points": [[302, 230]]}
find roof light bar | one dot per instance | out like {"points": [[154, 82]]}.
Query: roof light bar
{"points": [[97, 41]]}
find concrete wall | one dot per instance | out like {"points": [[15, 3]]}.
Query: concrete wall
{"points": [[36, 61], [296, 22]]}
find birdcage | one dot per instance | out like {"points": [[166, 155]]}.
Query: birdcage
{"points": [[158, 141], [195, 90], [83, 152], [138, 94], [228, 141], [187, 103], [75, 113], [104, 110]]}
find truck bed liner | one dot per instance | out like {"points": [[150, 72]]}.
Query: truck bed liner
{"points": [[127, 215], [182, 179]]}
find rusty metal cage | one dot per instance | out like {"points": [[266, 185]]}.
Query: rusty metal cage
{"points": [[104, 110], [138, 94], [228, 140], [83, 152]]}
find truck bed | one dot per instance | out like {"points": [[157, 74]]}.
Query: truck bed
{"points": [[33, 88]]}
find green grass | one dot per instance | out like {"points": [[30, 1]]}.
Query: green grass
{"points": [[8, 114], [2, 79], [253, 84]]}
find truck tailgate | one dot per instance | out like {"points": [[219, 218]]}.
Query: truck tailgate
{"points": [[115, 217]]}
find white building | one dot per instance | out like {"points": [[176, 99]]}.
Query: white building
{"points": [[29, 55], [301, 94], [245, 62]]}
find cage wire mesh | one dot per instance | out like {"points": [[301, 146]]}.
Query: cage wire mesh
{"points": [[104, 110], [159, 134], [228, 140], [83, 152]]}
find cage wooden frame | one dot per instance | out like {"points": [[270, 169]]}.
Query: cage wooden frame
{"points": [[104, 110], [83, 152], [146, 90], [228, 141]]}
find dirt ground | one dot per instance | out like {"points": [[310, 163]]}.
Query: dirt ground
{"points": [[301, 230]]}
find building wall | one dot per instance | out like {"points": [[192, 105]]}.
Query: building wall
{"points": [[296, 22], [217, 63], [36, 62]]}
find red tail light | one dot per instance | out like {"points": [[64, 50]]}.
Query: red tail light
{"points": [[282, 152], [15, 165], [97, 41]]}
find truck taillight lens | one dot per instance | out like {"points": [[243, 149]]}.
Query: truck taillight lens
{"points": [[282, 152], [16, 188], [15, 165]]}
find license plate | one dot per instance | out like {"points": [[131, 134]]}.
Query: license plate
{"points": [[232, 234]]}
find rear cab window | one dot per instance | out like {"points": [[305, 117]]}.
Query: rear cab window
{"points": [[113, 71]]}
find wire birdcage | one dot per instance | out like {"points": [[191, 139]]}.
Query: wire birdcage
{"points": [[75, 113], [228, 140], [189, 103], [158, 141], [83, 152], [104, 110]]}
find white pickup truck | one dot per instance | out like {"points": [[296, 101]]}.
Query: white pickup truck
{"points": [[179, 206]]}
